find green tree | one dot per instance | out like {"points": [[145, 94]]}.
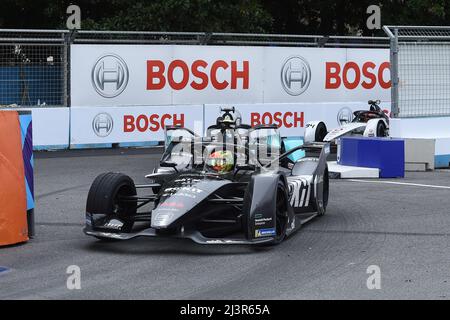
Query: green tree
{"points": [[186, 15], [323, 17]]}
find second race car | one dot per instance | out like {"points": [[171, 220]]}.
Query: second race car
{"points": [[369, 123]]}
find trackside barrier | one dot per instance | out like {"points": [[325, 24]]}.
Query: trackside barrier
{"points": [[419, 154], [386, 154], [16, 172], [139, 126], [26, 128], [55, 71], [437, 129]]}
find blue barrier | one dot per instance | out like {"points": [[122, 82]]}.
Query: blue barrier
{"points": [[386, 154], [442, 161]]}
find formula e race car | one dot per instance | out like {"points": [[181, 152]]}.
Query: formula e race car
{"points": [[237, 185], [368, 123]]}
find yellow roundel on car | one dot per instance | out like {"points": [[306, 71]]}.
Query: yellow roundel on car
{"points": [[220, 161]]}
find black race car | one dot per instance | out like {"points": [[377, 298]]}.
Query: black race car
{"points": [[237, 185]]}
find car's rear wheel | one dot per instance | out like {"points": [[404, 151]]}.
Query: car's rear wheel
{"points": [[325, 193], [321, 132], [381, 129], [110, 195]]}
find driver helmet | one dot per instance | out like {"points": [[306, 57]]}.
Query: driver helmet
{"points": [[220, 161], [230, 116]]}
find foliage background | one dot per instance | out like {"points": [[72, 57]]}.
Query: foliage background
{"points": [[324, 17]]}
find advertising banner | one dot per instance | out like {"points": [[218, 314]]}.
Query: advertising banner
{"points": [[292, 118], [130, 75], [102, 125], [50, 128]]}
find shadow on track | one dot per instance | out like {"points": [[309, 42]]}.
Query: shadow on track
{"points": [[143, 246]]}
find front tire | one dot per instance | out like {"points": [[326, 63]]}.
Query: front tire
{"points": [[106, 197], [281, 216]]}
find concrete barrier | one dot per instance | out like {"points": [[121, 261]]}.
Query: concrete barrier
{"points": [[419, 154], [437, 129]]}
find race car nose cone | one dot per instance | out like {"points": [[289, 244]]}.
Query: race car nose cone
{"points": [[162, 219]]}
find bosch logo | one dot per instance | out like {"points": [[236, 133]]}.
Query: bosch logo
{"points": [[287, 119], [295, 75], [102, 124], [345, 115], [352, 75], [198, 75], [110, 75]]}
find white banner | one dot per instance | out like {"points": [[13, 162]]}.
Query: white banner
{"points": [[50, 127], [292, 118], [130, 75], [105, 125], [100, 125]]}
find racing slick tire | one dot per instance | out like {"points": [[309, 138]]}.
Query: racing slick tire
{"points": [[321, 132], [105, 194], [381, 129], [325, 192]]}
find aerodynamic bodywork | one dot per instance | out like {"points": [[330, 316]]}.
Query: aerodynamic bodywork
{"points": [[236, 185], [368, 123]]}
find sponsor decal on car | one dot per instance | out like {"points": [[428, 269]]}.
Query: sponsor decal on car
{"points": [[222, 241], [264, 232], [172, 204], [114, 224], [182, 191], [299, 191], [262, 221], [88, 219], [162, 219]]}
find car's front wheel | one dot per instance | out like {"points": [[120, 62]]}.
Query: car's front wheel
{"points": [[281, 216], [111, 195]]}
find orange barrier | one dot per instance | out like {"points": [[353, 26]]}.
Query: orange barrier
{"points": [[13, 206]]}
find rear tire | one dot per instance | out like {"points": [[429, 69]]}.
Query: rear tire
{"points": [[381, 129], [105, 194], [321, 132], [325, 192]]}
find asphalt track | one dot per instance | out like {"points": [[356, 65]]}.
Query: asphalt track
{"points": [[403, 229]]}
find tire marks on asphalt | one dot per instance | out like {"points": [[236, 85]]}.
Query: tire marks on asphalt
{"points": [[44, 195]]}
